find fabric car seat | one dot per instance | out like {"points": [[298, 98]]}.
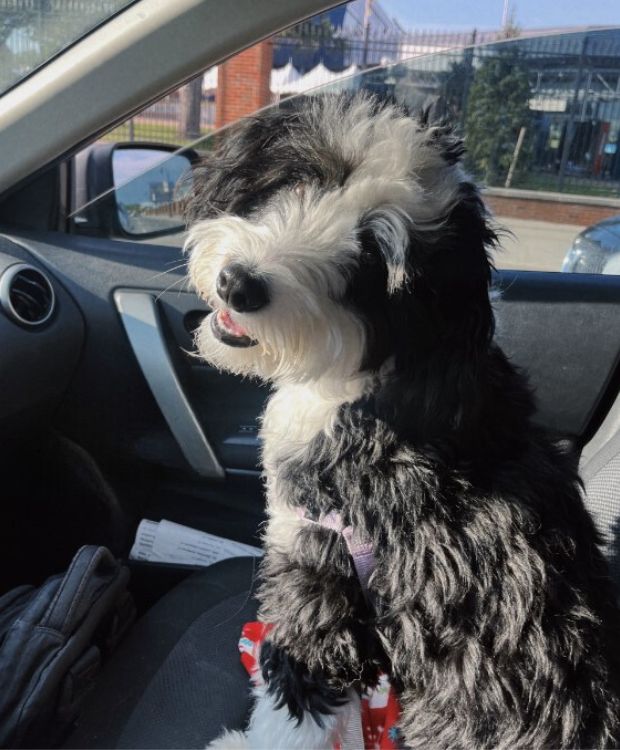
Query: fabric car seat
{"points": [[601, 478], [177, 679]]}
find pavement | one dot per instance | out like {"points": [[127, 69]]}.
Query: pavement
{"points": [[534, 245]]}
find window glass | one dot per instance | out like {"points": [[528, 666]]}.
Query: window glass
{"points": [[540, 115], [33, 31]]}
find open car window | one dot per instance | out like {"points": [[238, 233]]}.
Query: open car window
{"points": [[541, 121]]}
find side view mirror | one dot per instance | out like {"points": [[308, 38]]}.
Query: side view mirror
{"points": [[131, 190]]}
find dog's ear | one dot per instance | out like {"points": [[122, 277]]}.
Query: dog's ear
{"points": [[441, 320], [451, 273], [386, 231], [442, 137], [244, 167]]}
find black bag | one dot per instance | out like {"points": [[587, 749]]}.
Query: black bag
{"points": [[52, 640]]}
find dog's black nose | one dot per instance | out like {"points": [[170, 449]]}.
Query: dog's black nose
{"points": [[240, 289]]}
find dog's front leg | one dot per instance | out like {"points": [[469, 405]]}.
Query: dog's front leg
{"points": [[294, 709], [316, 652], [311, 657]]}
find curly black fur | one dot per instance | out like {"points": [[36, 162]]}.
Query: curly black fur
{"points": [[297, 688], [495, 610]]}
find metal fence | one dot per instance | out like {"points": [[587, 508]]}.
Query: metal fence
{"points": [[170, 120], [573, 102], [570, 113], [310, 46], [179, 118]]}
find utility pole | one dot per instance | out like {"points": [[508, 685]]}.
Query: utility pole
{"points": [[367, 15], [569, 133], [506, 14], [468, 61]]}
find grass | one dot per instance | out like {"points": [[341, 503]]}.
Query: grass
{"points": [[157, 132]]}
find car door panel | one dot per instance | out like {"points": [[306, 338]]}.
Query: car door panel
{"points": [[556, 326], [560, 328], [228, 406]]}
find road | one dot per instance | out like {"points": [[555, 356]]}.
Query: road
{"points": [[534, 245]]}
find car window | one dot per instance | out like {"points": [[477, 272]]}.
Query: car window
{"points": [[540, 115], [31, 33]]}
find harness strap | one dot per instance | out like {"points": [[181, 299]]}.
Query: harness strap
{"points": [[360, 551]]}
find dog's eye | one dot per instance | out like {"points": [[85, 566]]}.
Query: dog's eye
{"points": [[370, 252], [369, 257]]}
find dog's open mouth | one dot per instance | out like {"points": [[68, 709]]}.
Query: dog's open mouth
{"points": [[228, 332]]}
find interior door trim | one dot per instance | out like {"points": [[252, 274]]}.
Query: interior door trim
{"points": [[141, 320]]}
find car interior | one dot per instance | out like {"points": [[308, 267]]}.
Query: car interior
{"points": [[107, 418]]}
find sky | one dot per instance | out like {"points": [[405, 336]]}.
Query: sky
{"points": [[487, 14]]}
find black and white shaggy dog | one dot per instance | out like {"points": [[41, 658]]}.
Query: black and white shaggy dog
{"points": [[344, 253]]}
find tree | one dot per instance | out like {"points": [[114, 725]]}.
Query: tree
{"points": [[497, 109], [453, 91]]}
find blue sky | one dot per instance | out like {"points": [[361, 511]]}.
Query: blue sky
{"points": [[465, 14]]}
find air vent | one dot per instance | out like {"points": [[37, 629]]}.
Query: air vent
{"points": [[26, 295]]}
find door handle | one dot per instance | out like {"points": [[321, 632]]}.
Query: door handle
{"points": [[141, 320]]}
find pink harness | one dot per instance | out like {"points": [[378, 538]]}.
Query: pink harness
{"points": [[361, 551]]}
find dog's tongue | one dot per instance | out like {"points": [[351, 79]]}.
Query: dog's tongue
{"points": [[224, 319]]}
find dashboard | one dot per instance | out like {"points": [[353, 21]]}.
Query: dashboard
{"points": [[41, 337]]}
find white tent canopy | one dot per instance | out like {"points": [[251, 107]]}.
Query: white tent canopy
{"points": [[320, 75], [209, 80], [283, 78], [288, 80], [352, 70], [315, 77]]}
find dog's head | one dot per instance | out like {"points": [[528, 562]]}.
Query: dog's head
{"points": [[333, 234]]}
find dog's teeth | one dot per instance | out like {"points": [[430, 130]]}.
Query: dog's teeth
{"points": [[229, 324]]}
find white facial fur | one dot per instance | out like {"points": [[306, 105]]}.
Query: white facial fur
{"points": [[304, 244]]}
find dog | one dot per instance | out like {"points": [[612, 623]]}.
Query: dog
{"points": [[345, 254]]}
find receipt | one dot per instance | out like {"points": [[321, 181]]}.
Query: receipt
{"points": [[168, 542], [145, 538]]}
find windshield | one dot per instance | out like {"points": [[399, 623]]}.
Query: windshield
{"points": [[34, 31]]}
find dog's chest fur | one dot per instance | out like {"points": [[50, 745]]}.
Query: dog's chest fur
{"points": [[294, 417]]}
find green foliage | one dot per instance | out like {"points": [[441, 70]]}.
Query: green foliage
{"points": [[157, 132], [452, 92], [497, 108]]}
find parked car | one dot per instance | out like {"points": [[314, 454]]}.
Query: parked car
{"points": [[596, 249]]}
